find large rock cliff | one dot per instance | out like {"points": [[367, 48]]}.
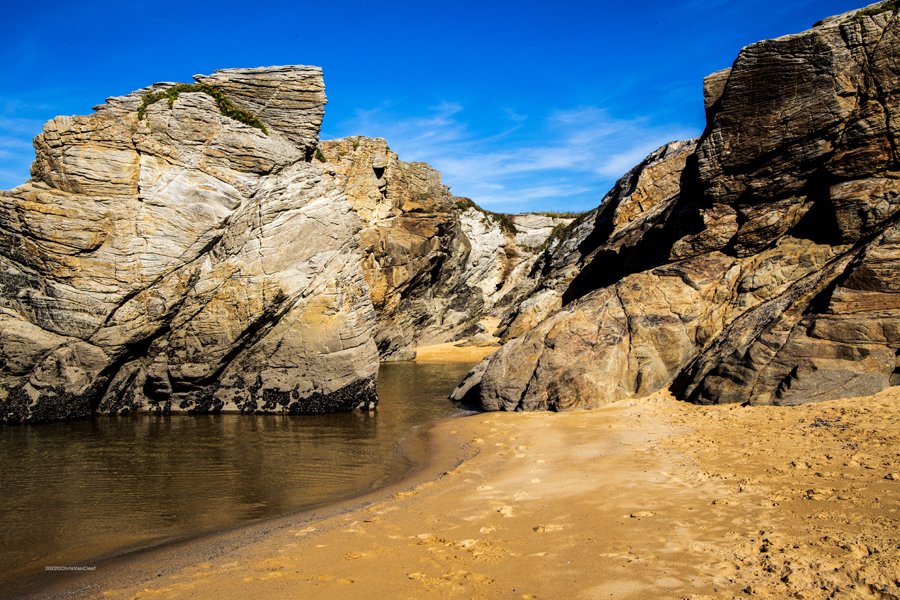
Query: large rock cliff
{"points": [[435, 263], [195, 248], [758, 264], [177, 250]]}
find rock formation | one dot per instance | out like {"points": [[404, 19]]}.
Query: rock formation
{"points": [[168, 257], [629, 214], [435, 263], [194, 248], [758, 264]]}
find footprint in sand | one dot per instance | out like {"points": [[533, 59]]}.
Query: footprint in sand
{"points": [[475, 517], [548, 528], [354, 527]]}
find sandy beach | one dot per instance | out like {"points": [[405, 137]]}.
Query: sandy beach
{"points": [[645, 498], [471, 350]]}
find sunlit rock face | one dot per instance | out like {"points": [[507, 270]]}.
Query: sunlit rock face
{"points": [[758, 264], [180, 260], [435, 264], [195, 248]]}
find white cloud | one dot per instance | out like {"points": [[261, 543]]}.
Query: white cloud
{"points": [[19, 126], [547, 194], [567, 159], [11, 142], [16, 150]]}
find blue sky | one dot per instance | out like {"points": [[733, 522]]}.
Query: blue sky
{"points": [[521, 105]]}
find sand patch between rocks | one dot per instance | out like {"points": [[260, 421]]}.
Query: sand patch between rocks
{"points": [[470, 350]]}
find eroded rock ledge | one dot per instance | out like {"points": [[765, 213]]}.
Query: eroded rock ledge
{"points": [[757, 264]]}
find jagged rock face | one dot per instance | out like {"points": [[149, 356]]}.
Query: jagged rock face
{"points": [[505, 249], [412, 244], [764, 268], [154, 264], [619, 230], [435, 264]]}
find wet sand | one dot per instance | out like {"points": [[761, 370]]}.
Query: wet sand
{"points": [[639, 499]]}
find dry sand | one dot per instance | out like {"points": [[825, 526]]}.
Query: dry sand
{"points": [[472, 350], [647, 498]]}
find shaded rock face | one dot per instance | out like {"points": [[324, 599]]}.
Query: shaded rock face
{"points": [[435, 264], [184, 261], [620, 231], [761, 265]]}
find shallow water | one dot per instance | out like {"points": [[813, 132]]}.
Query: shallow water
{"points": [[80, 490]]}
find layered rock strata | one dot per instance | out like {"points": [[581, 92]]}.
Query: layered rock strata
{"points": [[194, 248], [435, 263], [758, 264], [631, 214], [166, 257]]}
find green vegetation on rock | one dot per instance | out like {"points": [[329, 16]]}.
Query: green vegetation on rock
{"points": [[222, 102], [890, 5], [503, 220], [556, 234], [559, 214]]}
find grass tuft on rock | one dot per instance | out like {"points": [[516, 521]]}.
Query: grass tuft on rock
{"points": [[557, 214], [890, 5], [503, 221], [222, 102]]}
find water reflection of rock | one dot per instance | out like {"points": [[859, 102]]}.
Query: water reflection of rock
{"points": [[76, 490]]}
